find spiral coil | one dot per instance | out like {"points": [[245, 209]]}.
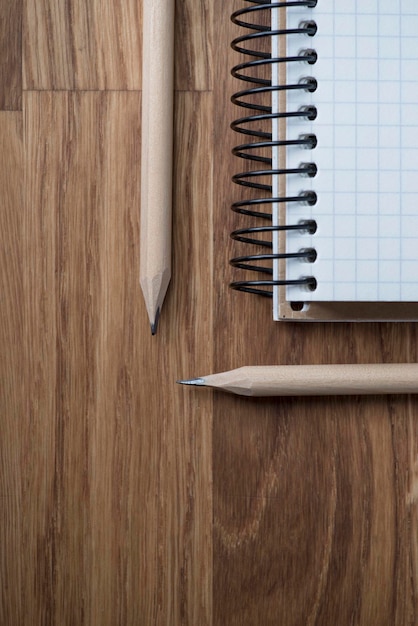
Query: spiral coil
{"points": [[260, 140]]}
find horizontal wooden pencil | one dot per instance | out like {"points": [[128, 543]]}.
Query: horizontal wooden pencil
{"points": [[314, 380], [156, 154]]}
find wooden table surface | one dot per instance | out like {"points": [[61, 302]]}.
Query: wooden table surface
{"points": [[125, 498]]}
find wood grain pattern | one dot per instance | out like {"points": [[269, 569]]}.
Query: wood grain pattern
{"points": [[186, 445], [79, 45], [74, 480], [74, 45], [315, 536], [11, 55], [119, 491], [127, 499], [194, 45], [12, 397]]}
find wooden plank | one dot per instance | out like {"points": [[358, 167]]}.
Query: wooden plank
{"points": [[324, 530], [41, 370], [117, 476], [79, 45], [78, 503], [12, 391], [11, 55], [186, 345], [194, 45]]}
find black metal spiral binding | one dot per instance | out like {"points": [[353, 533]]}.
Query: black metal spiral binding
{"points": [[261, 140]]}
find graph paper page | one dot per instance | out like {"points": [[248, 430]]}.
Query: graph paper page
{"points": [[366, 155]]}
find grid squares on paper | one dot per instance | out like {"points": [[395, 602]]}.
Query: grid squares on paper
{"points": [[367, 153]]}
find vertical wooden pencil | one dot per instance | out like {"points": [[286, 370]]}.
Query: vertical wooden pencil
{"points": [[156, 154]]}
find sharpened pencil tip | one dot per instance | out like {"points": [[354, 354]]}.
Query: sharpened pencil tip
{"points": [[192, 381], [154, 326]]}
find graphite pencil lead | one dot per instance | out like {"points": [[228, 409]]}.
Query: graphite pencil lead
{"points": [[192, 381], [154, 326]]}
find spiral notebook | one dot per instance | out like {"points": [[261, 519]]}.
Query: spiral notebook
{"points": [[344, 169]]}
